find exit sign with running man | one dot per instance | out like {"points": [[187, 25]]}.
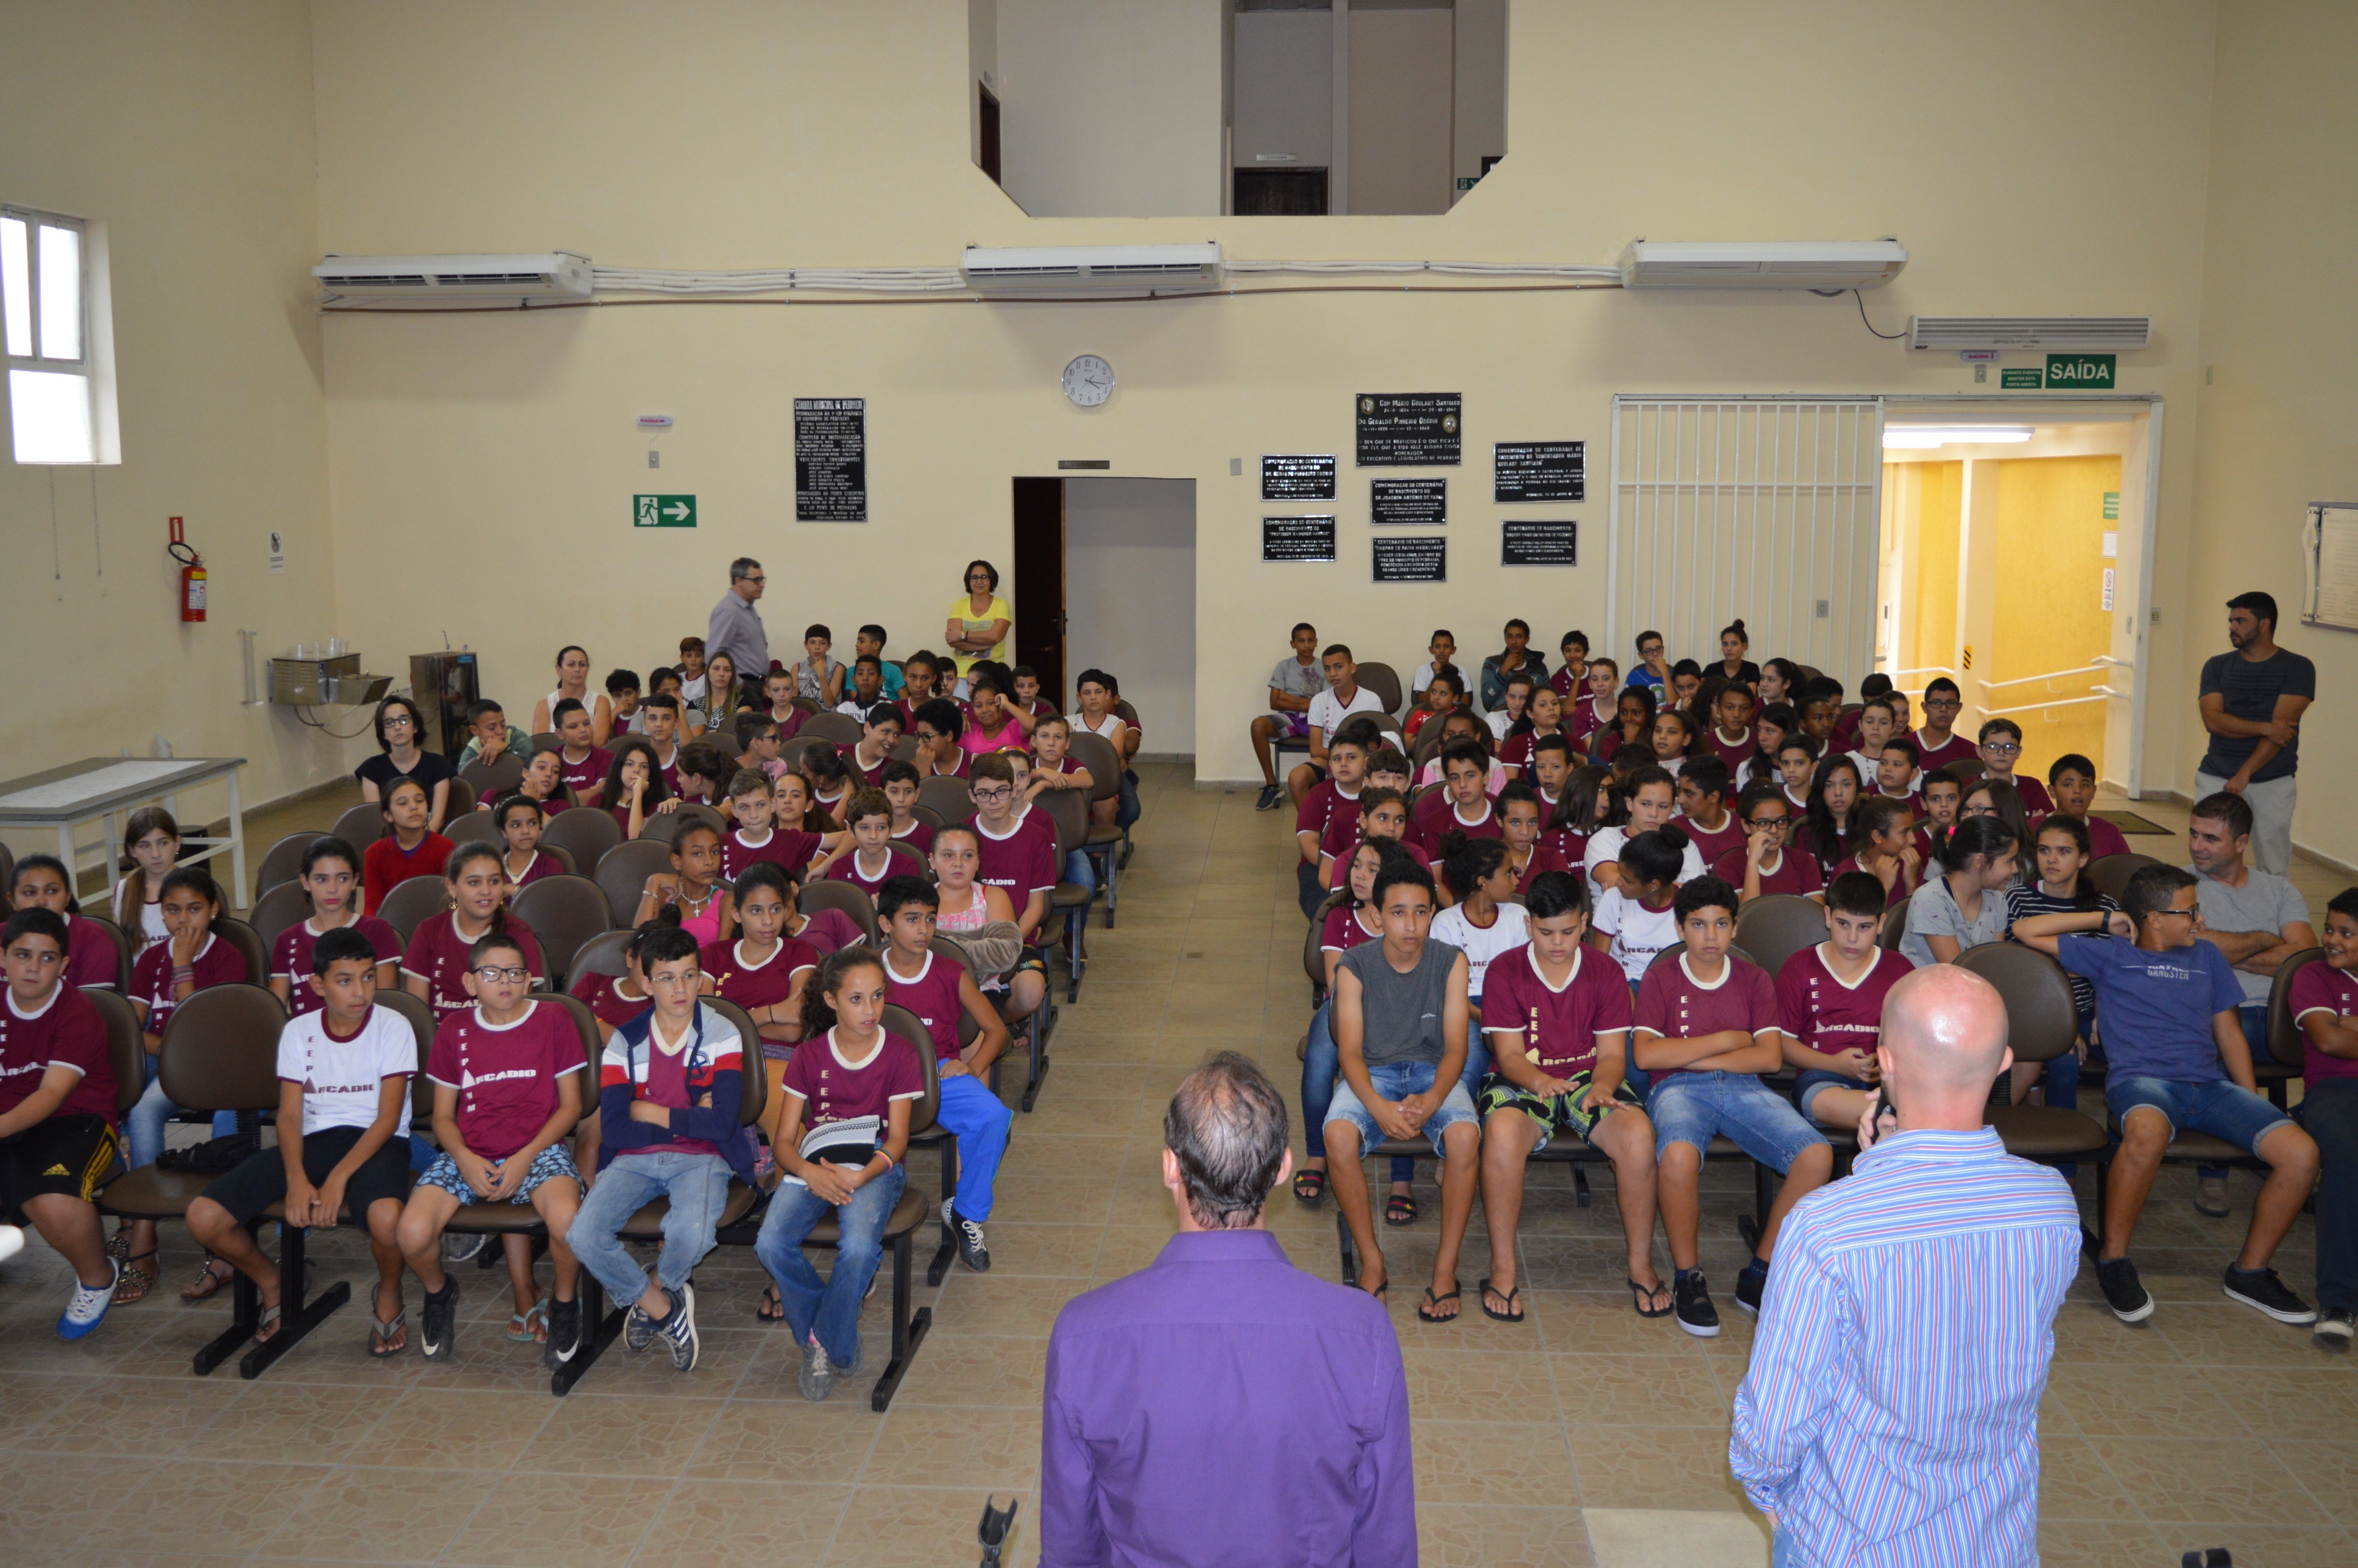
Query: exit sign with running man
{"points": [[662, 512]]}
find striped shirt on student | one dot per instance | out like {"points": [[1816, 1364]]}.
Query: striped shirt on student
{"points": [[1890, 1415]]}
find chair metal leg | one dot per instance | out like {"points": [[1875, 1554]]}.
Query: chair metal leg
{"points": [[600, 1329], [1580, 1194], [244, 1318], [908, 1332], [297, 1317], [1753, 1226], [1038, 1043], [936, 1270], [1349, 1247]]}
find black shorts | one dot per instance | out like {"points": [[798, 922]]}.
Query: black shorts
{"points": [[261, 1181], [75, 1155]]}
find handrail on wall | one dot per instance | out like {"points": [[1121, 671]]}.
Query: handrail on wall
{"points": [[2103, 694], [2102, 663]]}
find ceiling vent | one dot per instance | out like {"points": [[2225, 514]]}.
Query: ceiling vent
{"points": [[2059, 333], [1805, 263], [1092, 268], [552, 275]]}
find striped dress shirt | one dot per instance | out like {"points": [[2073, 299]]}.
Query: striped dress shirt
{"points": [[1890, 1414]]}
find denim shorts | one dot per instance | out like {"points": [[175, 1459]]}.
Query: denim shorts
{"points": [[1394, 1080], [1691, 1108], [549, 1163], [1813, 1079], [2222, 1108]]}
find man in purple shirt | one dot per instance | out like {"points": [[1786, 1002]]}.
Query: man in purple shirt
{"points": [[1222, 1406]]}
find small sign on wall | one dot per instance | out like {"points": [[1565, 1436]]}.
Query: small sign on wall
{"points": [[277, 551], [2108, 591]]}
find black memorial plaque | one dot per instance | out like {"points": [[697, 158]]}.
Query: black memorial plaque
{"points": [[1297, 538], [1539, 470], [1410, 429], [830, 459], [1297, 477], [1408, 503], [1538, 544], [1411, 557]]}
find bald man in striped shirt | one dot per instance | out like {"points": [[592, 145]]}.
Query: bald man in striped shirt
{"points": [[1889, 1418]]}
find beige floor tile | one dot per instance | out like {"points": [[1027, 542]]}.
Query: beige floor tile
{"points": [[2087, 1543], [779, 1440], [157, 1418], [981, 1449], [200, 1500], [735, 1522], [1458, 1535], [977, 1370], [925, 1526], [1494, 1462], [563, 1519], [1639, 1391], [415, 1516], [304, 1423], [1654, 1467], [2075, 1483], [458, 1430], [646, 1437], [987, 1304], [2194, 1480], [1677, 1538]]}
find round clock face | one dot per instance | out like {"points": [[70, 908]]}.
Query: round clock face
{"points": [[1088, 381]]}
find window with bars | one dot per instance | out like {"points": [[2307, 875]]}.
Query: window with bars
{"points": [[47, 325]]}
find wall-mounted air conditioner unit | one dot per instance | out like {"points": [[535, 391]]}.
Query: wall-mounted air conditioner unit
{"points": [[1115, 267], [1804, 264], [2061, 334], [548, 275]]}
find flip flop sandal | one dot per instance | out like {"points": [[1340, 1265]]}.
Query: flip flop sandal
{"points": [[269, 1320], [1512, 1298], [1641, 1296], [1424, 1315], [530, 1327], [1400, 1209], [1310, 1188], [385, 1339], [770, 1309], [207, 1284], [136, 1280]]}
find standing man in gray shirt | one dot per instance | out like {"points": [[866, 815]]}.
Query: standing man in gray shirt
{"points": [[2254, 918], [736, 629], [2252, 702], [1296, 679]]}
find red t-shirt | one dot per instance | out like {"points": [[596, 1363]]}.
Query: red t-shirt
{"points": [[2318, 989], [1794, 872], [291, 956], [1559, 1028], [1736, 752], [1713, 843], [1674, 1005], [1900, 892], [932, 995], [543, 865], [784, 846], [1828, 1016], [506, 1073], [64, 1032], [386, 865], [587, 774], [849, 869], [1343, 931], [1322, 805], [91, 957], [216, 964], [1956, 749], [918, 836], [1020, 864], [846, 1104], [438, 956], [2104, 838], [609, 1005]]}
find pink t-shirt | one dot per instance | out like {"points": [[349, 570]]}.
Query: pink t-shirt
{"points": [[975, 742], [1674, 1005], [1559, 1028], [2318, 989], [1828, 1016]]}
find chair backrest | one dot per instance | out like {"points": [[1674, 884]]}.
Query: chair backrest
{"points": [[916, 867], [544, 741], [1669, 954], [2285, 1037], [1969, 768], [1314, 952], [791, 752], [2042, 1020], [841, 728], [1894, 927], [847, 897], [900, 1021], [1095, 753], [123, 954], [1129, 714], [564, 912], [1778, 925], [586, 833], [948, 797], [283, 862], [2110, 874], [622, 872], [1069, 817], [1382, 679], [461, 800], [805, 705], [756, 1081], [604, 954], [951, 948], [905, 750], [665, 826], [585, 1025], [1428, 743], [249, 944], [220, 1050], [418, 1014], [474, 828], [495, 778], [275, 911], [409, 905], [927, 814], [361, 825], [563, 857], [127, 1047]]}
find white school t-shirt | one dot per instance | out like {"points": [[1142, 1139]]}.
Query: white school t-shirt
{"points": [[1509, 931], [1327, 711], [341, 1079], [1639, 934], [1604, 849]]}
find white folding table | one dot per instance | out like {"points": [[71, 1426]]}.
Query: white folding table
{"points": [[106, 787]]}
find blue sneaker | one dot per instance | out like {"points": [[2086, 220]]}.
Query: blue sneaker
{"points": [[88, 1308]]}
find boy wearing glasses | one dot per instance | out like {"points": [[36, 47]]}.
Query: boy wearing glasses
{"points": [[1761, 864], [2000, 749], [1019, 853], [507, 1091], [1937, 745]]}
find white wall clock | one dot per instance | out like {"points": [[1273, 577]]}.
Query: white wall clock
{"points": [[1088, 381]]}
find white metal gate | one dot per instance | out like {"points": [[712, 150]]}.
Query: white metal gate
{"points": [[1762, 508]]}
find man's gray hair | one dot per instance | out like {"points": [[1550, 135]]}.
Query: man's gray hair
{"points": [[742, 567], [1228, 1126]]}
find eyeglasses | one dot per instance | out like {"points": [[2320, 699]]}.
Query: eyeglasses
{"points": [[1931, 702], [981, 795], [1765, 822], [493, 972], [399, 722], [2001, 748], [2182, 913]]}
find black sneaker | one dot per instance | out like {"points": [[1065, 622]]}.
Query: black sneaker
{"points": [[1691, 1300], [2334, 1326], [438, 1336], [2122, 1292], [564, 1334], [2260, 1290], [816, 1379], [679, 1329], [458, 1249], [1749, 1284], [968, 1236], [1269, 795]]}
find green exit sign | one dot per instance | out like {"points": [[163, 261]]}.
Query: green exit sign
{"points": [[662, 512], [2088, 372]]}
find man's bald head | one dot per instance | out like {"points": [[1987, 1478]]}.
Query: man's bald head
{"points": [[1945, 1030]]}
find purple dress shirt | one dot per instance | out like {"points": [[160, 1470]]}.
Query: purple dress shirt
{"points": [[1223, 1407]]}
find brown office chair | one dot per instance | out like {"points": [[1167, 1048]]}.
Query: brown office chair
{"points": [[845, 896], [1895, 925], [1774, 927], [361, 825], [585, 833], [841, 729], [126, 1046], [1069, 902], [461, 800], [913, 864], [2282, 1061], [418, 1014], [791, 752], [544, 741], [284, 905], [665, 826], [283, 862], [2042, 1023], [564, 912], [905, 750], [474, 828], [249, 944], [622, 872], [123, 954], [1313, 950], [948, 797], [1382, 679], [603, 954], [1129, 714], [564, 857], [409, 905], [927, 814], [2110, 874], [495, 778]]}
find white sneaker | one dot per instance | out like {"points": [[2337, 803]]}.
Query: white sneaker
{"points": [[88, 1308]]}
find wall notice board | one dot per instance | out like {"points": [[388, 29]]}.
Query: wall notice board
{"points": [[2329, 554]]}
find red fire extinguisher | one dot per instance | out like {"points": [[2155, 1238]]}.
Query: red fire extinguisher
{"points": [[192, 574]]}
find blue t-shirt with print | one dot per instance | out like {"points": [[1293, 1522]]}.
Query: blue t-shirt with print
{"points": [[2157, 1007]]}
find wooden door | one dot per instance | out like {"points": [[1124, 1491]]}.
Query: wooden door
{"points": [[1040, 583]]}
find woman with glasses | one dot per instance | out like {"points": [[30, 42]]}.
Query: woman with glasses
{"points": [[1999, 798], [979, 619], [399, 726]]}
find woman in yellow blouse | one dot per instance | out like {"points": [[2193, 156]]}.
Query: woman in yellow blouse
{"points": [[979, 619]]}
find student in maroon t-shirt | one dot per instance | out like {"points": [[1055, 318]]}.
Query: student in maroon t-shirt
{"points": [[2001, 750], [1018, 855], [1464, 796], [1764, 864], [1937, 744], [2073, 778], [434, 967], [1334, 799], [1701, 790], [758, 839], [1731, 737], [332, 877], [1830, 1003], [581, 763], [2324, 1002], [868, 862]]}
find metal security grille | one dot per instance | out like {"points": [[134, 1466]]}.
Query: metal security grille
{"points": [[1762, 508]]}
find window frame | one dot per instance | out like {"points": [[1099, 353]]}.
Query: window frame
{"points": [[93, 363]]}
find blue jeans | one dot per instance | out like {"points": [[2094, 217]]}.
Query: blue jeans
{"points": [[979, 1120], [2255, 1018], [1127, 810], [697, 1186], [1078, 870], [1321, 1068], [830, 1309], [2328, 1113], [2220, 1107], [143, 1128]]}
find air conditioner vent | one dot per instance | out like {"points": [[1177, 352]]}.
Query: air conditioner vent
{"points": [[1093, 266], [1780, 264], [2061, 334], [552, 275]]}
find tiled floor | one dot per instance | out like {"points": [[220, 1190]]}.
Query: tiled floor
{"points": [[2209, 1426]]}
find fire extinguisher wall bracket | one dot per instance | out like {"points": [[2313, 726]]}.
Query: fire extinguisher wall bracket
{"points": [[192, 573]]}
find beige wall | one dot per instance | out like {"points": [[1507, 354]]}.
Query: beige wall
{"points": [[186, 131], [1401, 94], [2281, 401], [1109, 110]]}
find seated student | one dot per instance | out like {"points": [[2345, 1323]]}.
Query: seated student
{"points": [[1440, 655], [1942, 792], [400, 732], [636, 788], [614, 1001], [1730, 736], [343, 1138], [544, 779], [1053, 768], [331, 878], [695, 680], [1819, 708], [582, 764], [1877, 726], [671, 1087], [868, 642], [57, 1142], [2323, 1001], [1964, 904], [1516, 657], [1024, 696], [1774, 723], [843, 1139], [1797, 765], [1343, 698], [993, 725], [1463, 727], [506, 1095], [1701, 793], [1528, 855], [1018, 857], [1012, 973], [1331, 807], [519, 821], [1402, 1024], [1550, 770], [490, 736], [622, 690], [1686, 680], [1514, 702], [866, 860], [921, 674], [1443, 695], [1936, 743], [1542, 721], [434, 967], [792, 811], [1380, 815], [758, 734], [900, 788], [1351, 919], [151, 848], [765, 972], [1830, 1003], [409, 847], [822, 769], [694, 890], [662, 713], [1764, 865], [1882, 845], [1597, 706], [936, 724], [1591, 800], [778, 703], [1648, 797], [39, 881], [1632, 728], [1672, 738], [1733, 667], [868, 757], [2177, 1061], [1897, 776], [1706, 1029], [1996, 798], [2072, 783], [818, 676], [755, 839], [1557, 1022], [2000, 749], [868, 695], [2059, 887], [1462, 804], [704, 771], [1635, 918], [1569, 675], [724, 697], [1781, 682], [1652, 671], [1835, 789]]}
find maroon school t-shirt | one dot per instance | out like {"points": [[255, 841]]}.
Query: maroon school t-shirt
{"points": [[918, 836], [505, 1074], [587, 774], [848, 1104], [1900, 892], [1437, 822], [1828, 1016], [67, 1031], [1545, 857], [291, 956], [765, 984], [1322, 805], [216, 964], [1673, 1004], [2318, 989], [933, 995], [1793, 873], [91, 957], [849, 869], [1736, 752], [1713, 843], [438, 956], [1343, 931], [872, 777], [781, 847], [605, 1002], [1956, 749], [2104, 838], [543, 865], [1023, 863], [1559, 1028]]}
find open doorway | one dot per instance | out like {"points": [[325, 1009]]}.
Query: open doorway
{"points": [[1105, 578]]}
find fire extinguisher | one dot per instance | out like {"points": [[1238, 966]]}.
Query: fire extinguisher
{"points": [[192, 574]]}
